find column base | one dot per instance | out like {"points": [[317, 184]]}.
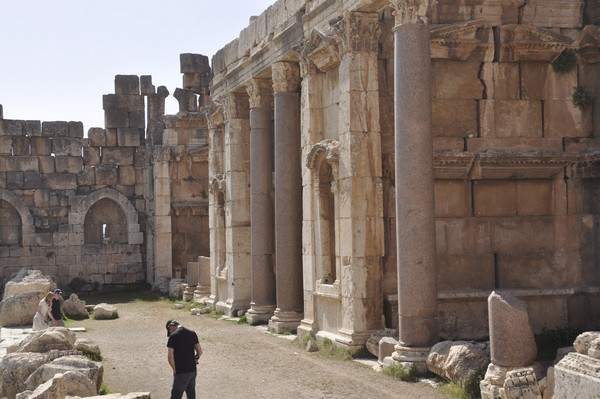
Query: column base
{"points": [[285, 322], [259, 314], [410, 357]]}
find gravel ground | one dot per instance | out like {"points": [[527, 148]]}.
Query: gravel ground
{"points": [[239, 361]]}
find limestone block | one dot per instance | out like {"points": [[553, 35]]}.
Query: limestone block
{"points": [[521, 383], [32, 180], [66, 146], [454, 271], [127, 84], [539, 81], [55, 129], [116, 117], [106, 175], [452, 198], [117, 156], [14, 370], [87, 176], [194, 63], [32, 128], [75, 130], [132, 102], [135, 238], [22, 164], [454, 118], [39, 145], [6, 145], [576, 376], [54, 338], [104, 311], [563, 119], [459, 361], [554, 13], [495, 198], [126, 175], [68, 164], [91, 155], [510, 118], [111, 137], [146, 86], [515, 144], [511, 338], [78, 363], [137, 119], [96, 137], [456, 80], [61, 181], [535, 197], [18, 309], [20, 145], [129, 137], [11, 127], [493, 12]]}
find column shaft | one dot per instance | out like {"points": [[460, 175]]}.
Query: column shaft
{"points": [[415, 224], [288, 198]]}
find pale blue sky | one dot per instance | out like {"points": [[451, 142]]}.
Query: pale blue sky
{"points": [[58, 57]]}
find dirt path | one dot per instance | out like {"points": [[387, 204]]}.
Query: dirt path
{"points": [[239, 361]]}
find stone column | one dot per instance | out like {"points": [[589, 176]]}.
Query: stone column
{"points": [[288, 198], [359, 190], [163, 243], [262, 239], [415, 218]]}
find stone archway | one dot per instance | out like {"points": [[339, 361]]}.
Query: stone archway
{"points": [[78, 215], [27, 225]]}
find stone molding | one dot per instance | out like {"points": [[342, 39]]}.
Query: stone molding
{"points": [[260, 93], [286, 77], [588, 44], [469, 41], [320, 52], [528, 43], [502, 165], [411, 11]]}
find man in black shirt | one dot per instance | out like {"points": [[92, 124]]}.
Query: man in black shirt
{"points": [[184, 351]]}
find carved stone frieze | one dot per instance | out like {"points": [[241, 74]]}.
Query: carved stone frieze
{"points": [[215, 116], [358, 31], [320, 52], [519, 43], [469, 41], [217, 184], [260, 92], [412, 11], [327, 149], [588, 44], [286, 77]]}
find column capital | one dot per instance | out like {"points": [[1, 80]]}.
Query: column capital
{"points": [[233, 105], [286, 77], [411, 11], [260, 91], [215, 116], [358, 31]]}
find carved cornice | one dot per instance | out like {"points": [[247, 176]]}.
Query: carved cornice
{"points": [[260, 92], [588, 44], [286, 77], [529, 43], [358, 31], [470, 41], [509, 165], [411, 11], [320, 52], [327, 150]]}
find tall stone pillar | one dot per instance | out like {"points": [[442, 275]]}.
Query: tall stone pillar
{"points": [[415, 218], [288, 198], [359, 190], [232, 282], [163, 244], [262, 238]]}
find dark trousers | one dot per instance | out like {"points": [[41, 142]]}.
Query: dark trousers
{"points": [[184, 382]]}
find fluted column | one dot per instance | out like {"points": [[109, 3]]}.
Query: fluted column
{"points": [[263, 300], [288, 198], [415, 223]]}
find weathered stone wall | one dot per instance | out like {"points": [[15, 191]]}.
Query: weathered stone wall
{"points": [[76, 207]]}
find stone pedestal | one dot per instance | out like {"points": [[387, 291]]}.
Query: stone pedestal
{"points": [[263, 300], [415, 223]]}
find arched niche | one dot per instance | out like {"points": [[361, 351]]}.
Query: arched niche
{"points": [[16, 221]]}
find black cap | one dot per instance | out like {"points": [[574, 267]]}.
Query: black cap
{"points": [[169, 323], [57, 291]]}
